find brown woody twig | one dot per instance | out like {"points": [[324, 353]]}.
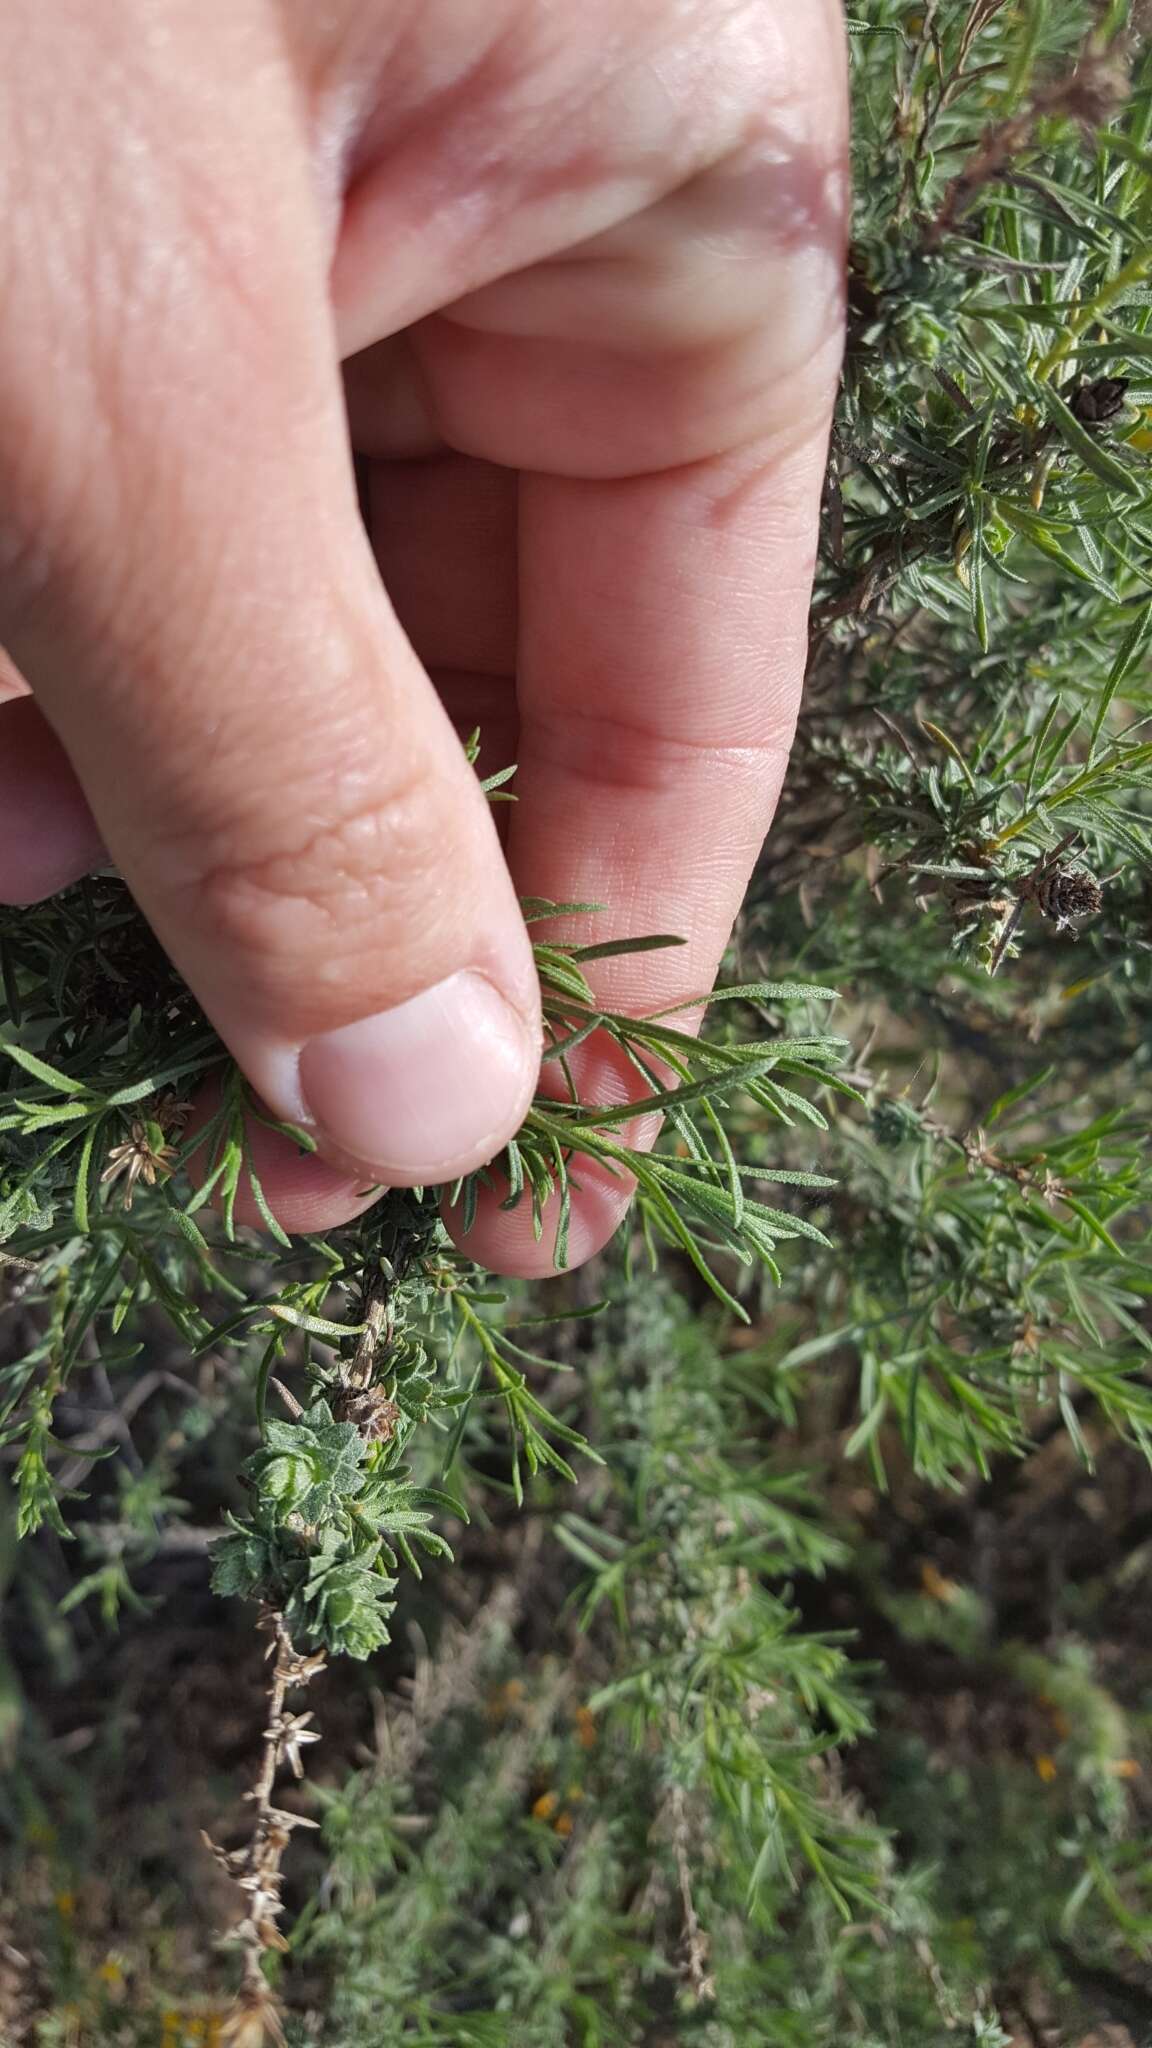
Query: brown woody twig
{"points": [[255, 2016]]}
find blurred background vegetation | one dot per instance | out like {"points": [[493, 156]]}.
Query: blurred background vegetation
{"points": [[820, 1711]]}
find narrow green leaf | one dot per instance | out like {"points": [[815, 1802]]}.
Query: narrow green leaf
{"points": [[40, 1069], [605, 949], [1127, 655], [1093, 453]]}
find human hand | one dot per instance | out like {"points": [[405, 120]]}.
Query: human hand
{"points": [[583, 270]]}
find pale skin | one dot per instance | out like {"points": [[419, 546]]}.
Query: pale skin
{"points": [[569, 279]]}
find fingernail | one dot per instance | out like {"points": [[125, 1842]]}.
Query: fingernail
{"points": [[425, 1091]]}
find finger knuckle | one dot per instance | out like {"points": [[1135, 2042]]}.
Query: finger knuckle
{"points": [[322, 879]]}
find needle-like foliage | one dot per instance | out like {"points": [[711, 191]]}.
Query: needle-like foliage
{"points": [[105, 1209]]}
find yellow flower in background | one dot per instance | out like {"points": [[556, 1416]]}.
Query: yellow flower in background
{"points": [[936, 1585]]}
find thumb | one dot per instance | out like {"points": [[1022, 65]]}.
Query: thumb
{"points": [[191, 598]]}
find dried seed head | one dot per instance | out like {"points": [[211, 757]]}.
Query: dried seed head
{"points": [[1070, 893], [144, 1156], [1099, 401], [254, 2021], [1098, 87], [373, 1414]]}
